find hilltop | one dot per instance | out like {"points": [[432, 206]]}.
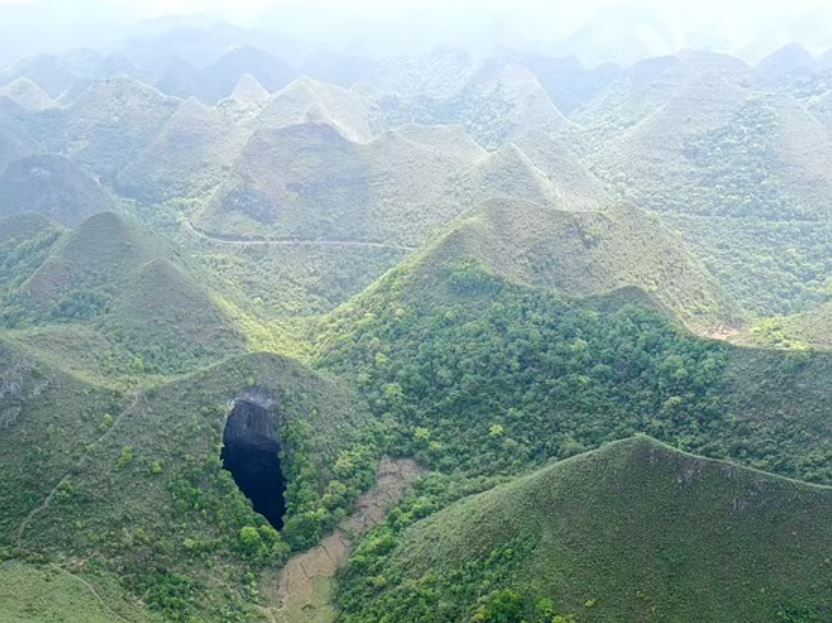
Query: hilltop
{"points": [[310, 101], [109, 300], [111, 121], [188, 156], [309, 181], [585, 253], [496, 272], [635, 529], [496, 102]]}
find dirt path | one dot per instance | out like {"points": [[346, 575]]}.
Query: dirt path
{"points": [[290, 242], [80, 463], [94, 592], [306, 584]]}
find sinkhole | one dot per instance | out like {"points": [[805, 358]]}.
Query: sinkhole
{"points": [[251, 453]]}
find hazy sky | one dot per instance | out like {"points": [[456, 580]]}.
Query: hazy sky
{"points": [[31, 25]]}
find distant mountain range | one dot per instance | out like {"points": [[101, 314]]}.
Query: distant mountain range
{"points": [[530, 339]]}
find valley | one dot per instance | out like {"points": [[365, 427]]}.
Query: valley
{"points": [[291, 334]]}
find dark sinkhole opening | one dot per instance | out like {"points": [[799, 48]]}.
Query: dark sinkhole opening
{"points": [[251, 453]]}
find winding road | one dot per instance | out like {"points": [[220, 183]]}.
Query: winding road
{"points": [[290, 242]]}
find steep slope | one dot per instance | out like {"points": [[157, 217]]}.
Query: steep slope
{"points": [[218, 78], [567, 82], [101, 256], [149, 466], [187, 158], [111, 304], [245, 102], [650, 84], [248, 90], [54, 74], [495, 104], [309, 101], [25, 243], [701, 138], [53, 186], [635, 530], [32, 593], [785, 66], [178, 78], [165, 318], [33, 397], [481, 359], [15, 142], [584, 253], [310, 182], [768, 267], [507, 171], [112, 121]]}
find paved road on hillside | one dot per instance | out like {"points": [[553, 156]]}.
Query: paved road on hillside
{"points": [[291, 242]]}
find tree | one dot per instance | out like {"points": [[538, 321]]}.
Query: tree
{"points": [[505, 606]]}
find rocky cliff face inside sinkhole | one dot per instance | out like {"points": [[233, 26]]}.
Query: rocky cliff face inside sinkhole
{"points": [[251, 453]]}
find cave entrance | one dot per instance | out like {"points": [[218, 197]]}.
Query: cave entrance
{"points": [[251, 453]]}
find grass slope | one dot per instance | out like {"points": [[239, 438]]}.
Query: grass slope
{"points": [[53, 186], [479, 374], [111, 300], [635, 530], [33, 594], [137, 488], [188, 157], [46, 417], [310, 182], [109, 124], [310, 101], [584, 253]]}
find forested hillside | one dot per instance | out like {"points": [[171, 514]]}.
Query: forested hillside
{"points": [[295, 333]]}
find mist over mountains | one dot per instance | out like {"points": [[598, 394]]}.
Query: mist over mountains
{"points": [[415, 313], [595, 32]]}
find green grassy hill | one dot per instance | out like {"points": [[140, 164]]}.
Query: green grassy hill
{"points": [[108, 299], [310, 182], [495, 103], [98, 260], [46, 416], [740, 171], [131, 487], [53, 186], [584, 253], [35, 593], [15, 143], [633, 531], [768, 267], [480, 371], [310, 101], [189, 156], [112, 121], [25, 243]]}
